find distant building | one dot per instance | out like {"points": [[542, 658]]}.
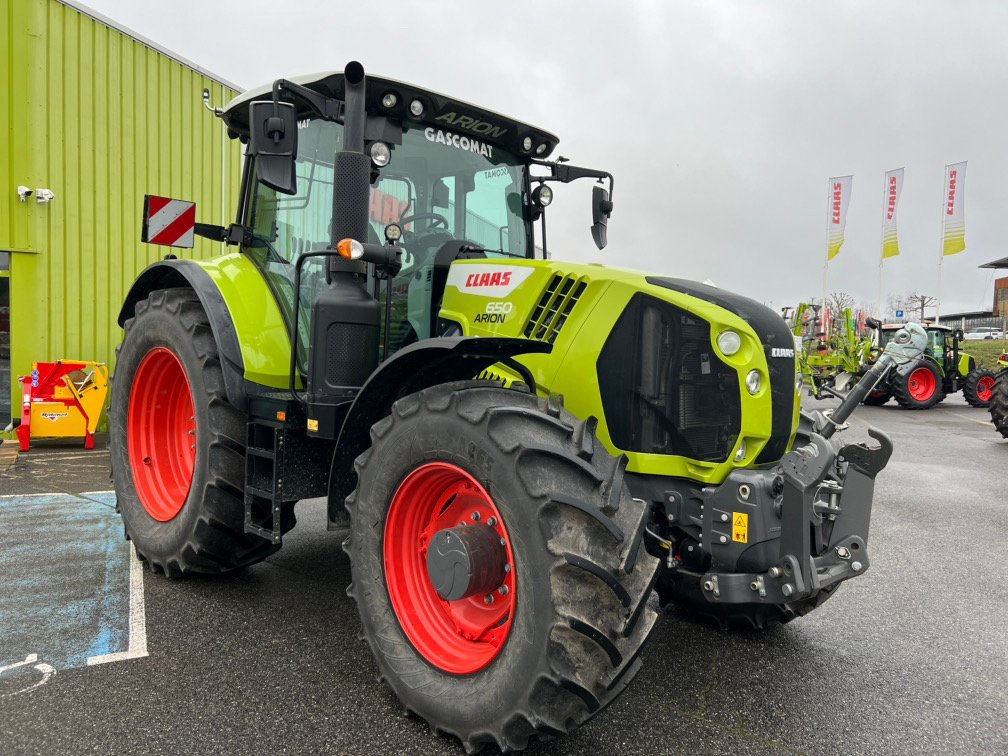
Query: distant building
{"points": [[1000, 307], [95, 117]]}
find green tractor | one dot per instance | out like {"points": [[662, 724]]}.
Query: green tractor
{"points": [[999, 397], [516, 451], [942, 370]]}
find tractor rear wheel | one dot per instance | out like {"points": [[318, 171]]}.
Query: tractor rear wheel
{"points": [[498, 564], [999, 403], [920, 388], [177, 444], [978, 387]]}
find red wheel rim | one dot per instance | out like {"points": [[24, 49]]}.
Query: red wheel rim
{"points": [[161, 434], [922, 384], [459, 637], [985, 388]]}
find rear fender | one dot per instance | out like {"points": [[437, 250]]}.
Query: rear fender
{"points": [[170, 274], [427, 363]]}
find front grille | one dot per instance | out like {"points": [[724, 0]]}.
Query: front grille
{"points": [[774, 334], [664, 390], [554, 308]]}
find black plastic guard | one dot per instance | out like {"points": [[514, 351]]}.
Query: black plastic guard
{"points": [[427, 363]]}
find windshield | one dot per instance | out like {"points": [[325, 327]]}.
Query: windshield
{"points": [[440, 186]]}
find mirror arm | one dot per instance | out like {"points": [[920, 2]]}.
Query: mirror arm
{"points": [[565, 173], [328, 108]]}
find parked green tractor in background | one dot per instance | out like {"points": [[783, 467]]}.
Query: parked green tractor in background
{"points": [[515, 450], [999, 397], [941, 371]]}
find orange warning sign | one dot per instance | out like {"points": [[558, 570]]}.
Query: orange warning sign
{"points": [[740, 527]]}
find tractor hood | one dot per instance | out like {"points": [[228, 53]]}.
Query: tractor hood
{"points": [[439, 111]]}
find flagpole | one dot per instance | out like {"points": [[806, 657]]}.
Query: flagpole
{"points": [[825, 270], [941, 245], [885, 197]]}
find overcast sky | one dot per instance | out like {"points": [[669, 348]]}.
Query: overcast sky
{"points": [[721, 121]]}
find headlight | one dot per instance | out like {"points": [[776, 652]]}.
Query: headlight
{"points": [[729, 343], [380, 154], [740, 454], [753, 381], [416, 108], [542, 195]]}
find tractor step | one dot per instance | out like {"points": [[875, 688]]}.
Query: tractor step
{"points": [[282, 466], [264, 494]]}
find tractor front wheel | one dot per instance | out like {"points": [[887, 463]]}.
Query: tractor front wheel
{"points": [[999, 403], [498, 564], [878, 396], [177, 444], [920, 388], [978, 387]]}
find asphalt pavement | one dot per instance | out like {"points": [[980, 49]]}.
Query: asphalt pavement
{"points": [[912, 657]]}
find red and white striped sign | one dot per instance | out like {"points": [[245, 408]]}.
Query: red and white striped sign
{"points": [[170, 222]]}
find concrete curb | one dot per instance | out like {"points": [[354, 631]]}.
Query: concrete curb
{"points": [[8, 454]]}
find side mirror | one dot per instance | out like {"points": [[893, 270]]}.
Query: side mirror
{"points": [[873, 323], [958, 334], [273, 142], [439, 194], [601, 210]]}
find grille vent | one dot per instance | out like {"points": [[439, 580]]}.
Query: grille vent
{"points": [[555, 306]]}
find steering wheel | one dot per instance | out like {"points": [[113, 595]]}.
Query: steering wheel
{"points": [[436, 219]]}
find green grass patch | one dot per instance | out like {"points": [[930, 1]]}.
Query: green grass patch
{"points": [[986, 353]]}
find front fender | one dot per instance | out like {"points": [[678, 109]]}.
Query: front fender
{"points": [[427, 363]]}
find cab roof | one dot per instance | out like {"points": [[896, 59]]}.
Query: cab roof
{"points": [[440, 111], [927, 327]]}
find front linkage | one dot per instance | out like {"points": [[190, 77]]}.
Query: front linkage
{"points": [[815, 506]]}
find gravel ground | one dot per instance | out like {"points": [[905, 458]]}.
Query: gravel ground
{"points": [[910, 658]]}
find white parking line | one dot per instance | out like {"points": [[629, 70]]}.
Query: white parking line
{"points": [[137, 618]]}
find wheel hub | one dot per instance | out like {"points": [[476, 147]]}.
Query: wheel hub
{"points": [[465, 561], [449, 568], [161, 434]]}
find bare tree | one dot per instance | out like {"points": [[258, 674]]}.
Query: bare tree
{"points": [[918, 301], [839, 301]]}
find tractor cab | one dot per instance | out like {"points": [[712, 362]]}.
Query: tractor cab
{"points": [[448, 181]]}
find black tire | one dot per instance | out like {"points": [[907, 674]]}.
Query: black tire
{"points": [[904, 391], [207, 535], [582, 575], [878, 397], [999, 403], [683, 594], [974, 385]]}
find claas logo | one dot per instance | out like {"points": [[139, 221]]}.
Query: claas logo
{"points": [[476, 280]]}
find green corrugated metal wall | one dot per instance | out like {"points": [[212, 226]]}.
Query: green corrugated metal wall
{"points": [[100, 119]]}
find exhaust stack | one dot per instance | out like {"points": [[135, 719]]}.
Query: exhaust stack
{"points": [[346, 318]]}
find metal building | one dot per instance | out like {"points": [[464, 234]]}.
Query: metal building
{"points": [[96, 117]]}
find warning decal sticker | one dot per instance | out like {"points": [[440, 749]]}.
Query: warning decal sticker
{"points": [[740, 527]]}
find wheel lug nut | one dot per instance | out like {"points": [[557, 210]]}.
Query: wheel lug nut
{"points": [[503, 590], [492, 521], [488, 599], [503, 542], [507, 568], [475, 516]]}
